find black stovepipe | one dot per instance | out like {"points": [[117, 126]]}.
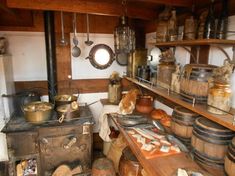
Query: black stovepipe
{"points": [[50, 54]]}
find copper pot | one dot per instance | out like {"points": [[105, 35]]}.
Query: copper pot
{"points": [[37, 112], [144, 104], [64, 99], [68, 111]]}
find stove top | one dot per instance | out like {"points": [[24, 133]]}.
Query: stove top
{"points": [[19, 124]]}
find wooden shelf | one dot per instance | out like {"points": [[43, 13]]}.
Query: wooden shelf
{"points": [[224, 120], [159, 166], [195, 42]]}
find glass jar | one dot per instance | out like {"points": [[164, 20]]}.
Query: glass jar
{"points": [[114, 93], [164, 74], [219, 96]]}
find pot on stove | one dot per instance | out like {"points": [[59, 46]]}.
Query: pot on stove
{"points": [[68, 111], [38, 112], [64, 99]]}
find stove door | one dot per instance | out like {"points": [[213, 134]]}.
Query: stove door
{"points": [[66, 145]]}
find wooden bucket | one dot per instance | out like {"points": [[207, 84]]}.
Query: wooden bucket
{"points": [[210, 139], [103, 167], [182, 122], [129, 165], [194, 82], [229, 163]]}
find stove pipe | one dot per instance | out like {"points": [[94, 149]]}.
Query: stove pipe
{"points": [[50, 53]]}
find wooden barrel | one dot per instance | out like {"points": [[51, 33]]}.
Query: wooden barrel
{"points": [[194, 82], [128, 164], [210, 139], [229, 163], [103, 167], [214, 167], [182, 122]]}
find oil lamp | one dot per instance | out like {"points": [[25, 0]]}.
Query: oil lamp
{"points": [[124, 35]]}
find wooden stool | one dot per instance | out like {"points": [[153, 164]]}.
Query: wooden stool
{"points": [[103, 167]]}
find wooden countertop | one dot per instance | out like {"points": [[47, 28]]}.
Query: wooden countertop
{"points": [[159, 166]]}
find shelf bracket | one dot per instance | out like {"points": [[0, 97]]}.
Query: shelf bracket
{"points": [[223, 51], [195, 59]]}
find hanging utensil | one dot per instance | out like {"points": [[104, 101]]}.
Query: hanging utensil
{"points": [[88, 42], [63, 41], [76, 51]]}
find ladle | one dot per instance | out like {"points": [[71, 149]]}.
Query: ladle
{"points": [[76, 51], [88, 42], [63, 41]]}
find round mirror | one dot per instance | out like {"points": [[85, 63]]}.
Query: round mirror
{"points": [[101, 56]]}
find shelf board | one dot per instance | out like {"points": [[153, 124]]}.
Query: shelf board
{"points": [[195, 42], [224, 120], [162, 165]]}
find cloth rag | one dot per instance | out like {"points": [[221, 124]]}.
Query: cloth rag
{"points": [[104, 130]]}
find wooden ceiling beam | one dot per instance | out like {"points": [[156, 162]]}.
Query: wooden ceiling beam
{"points": [[180, 3], [100, 7]]}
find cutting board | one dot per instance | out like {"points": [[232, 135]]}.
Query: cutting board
{"points": [[154, 152]]}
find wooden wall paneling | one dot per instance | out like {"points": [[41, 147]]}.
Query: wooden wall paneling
{"points": [[64, 86], [102, 7], [36, 26], [182, 3], [25, 85], [63, 58]]}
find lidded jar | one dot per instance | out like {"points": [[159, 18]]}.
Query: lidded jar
{"points": [[219, 96], [164, 73]]}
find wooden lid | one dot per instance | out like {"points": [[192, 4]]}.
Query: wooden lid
{"points": [[185, 111], [212, 132], [208, 125]]}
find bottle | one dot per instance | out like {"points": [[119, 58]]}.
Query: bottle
{"points": [[190, 27], [161, 31], [222, 26], [172, 27], [209, 29]]}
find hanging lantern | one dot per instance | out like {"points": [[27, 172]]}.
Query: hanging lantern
{"points": [[124, 36]]}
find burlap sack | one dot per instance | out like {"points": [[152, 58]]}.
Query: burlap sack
{"points": [[115, 151]]}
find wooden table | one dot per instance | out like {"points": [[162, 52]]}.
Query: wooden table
{"points": [[159, 166]]}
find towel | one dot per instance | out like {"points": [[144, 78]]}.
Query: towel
{"points": [[104, 130]]}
